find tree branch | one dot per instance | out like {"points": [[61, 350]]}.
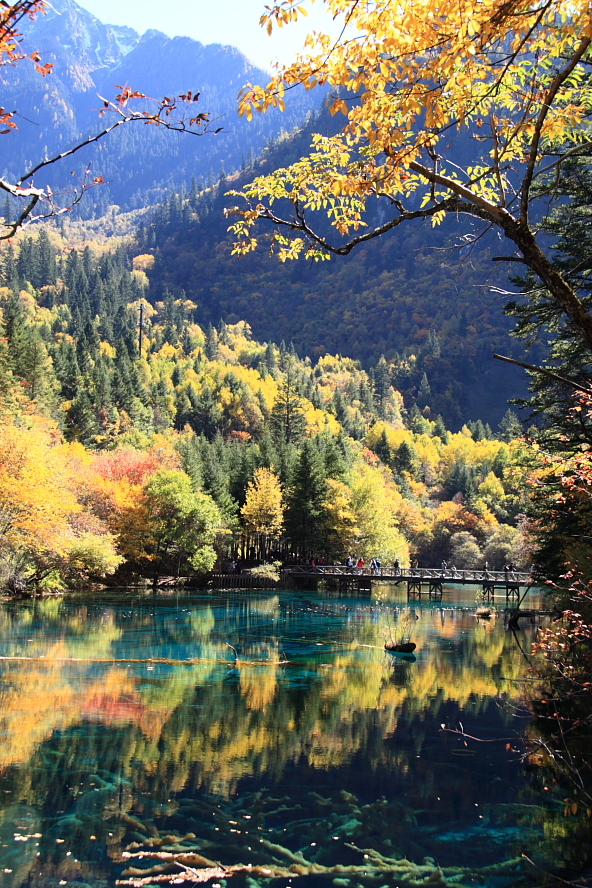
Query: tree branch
{"points": [[570, 382], [451, 205], [160, 117], [536, 138]]}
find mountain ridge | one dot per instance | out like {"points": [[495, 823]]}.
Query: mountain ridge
{"points": [[138, 164]]}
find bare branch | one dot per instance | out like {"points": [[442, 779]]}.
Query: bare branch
{"points": [[570, 382], [196, 126]]}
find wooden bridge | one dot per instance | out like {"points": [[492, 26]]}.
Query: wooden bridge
{"points": [[420, 581]]}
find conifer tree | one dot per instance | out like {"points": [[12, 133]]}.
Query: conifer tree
{"points": [[305, 511], [440, 430], [383, 449], [433, 344], [206, 416], [270, 358], [82, 421], [211, 344], [287, 418], [424, 393], [382, 383], [215, 480], [405, 459], [510, 426]]}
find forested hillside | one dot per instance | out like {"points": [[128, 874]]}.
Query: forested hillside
{"points": [[162, 449], [433, 309]]}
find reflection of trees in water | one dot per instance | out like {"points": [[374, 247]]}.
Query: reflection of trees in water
{"points": [[150, 734], [210, 725]]}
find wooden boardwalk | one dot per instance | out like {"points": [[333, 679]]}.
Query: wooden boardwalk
{"points": [[419, 581]]}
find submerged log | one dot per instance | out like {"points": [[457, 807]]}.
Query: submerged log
{"points": [[406, 647]]}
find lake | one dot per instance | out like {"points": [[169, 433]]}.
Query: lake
{"points": [[254, 738]]}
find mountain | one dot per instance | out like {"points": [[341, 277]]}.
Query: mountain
{"points": [[139, 163]]}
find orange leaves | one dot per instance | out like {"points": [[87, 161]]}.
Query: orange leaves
{"points": [[10, 36], [128, 93], [135, 466], [6, 121]]}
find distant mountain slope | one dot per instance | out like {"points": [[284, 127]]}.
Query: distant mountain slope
{"points": [[428, 308], [138, 162]]}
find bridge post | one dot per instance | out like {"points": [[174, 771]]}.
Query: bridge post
{"points": [[512, 592], [435, 590]]}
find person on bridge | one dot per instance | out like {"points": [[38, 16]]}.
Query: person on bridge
{"points": [[444, 566], [397, 567]]}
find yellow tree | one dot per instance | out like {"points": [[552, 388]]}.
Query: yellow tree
{"points": [[45, 533], [411, 80], [374, 505], [263, 511]]}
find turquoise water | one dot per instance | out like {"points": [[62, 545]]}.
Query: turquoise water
{"points": [[134, 736]]}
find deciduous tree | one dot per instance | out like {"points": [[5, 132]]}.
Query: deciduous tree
{"points": [[263, 511], [410, 80]]}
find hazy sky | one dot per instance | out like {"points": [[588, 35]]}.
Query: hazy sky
{"points": [[235, 22]]}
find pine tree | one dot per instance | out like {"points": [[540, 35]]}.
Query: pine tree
{"points": [[440, 430], [366, 398], [333, 456], [46, 260], [382, 383], [510, 426], [82, 421], [206, 416], [383, 449], [211, 347], [305, 512], [7, 381], [405, 459], [36, 368], [215, 479], [270, 358], [424, 393], [268, 455], [223, 333], [287, 418], [433, 344], [187, 447], [416, 421]]}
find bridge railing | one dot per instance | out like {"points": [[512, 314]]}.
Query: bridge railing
{"points": [[419, 573]]}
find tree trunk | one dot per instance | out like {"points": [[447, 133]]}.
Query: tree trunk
{"points": [[563, 294]]}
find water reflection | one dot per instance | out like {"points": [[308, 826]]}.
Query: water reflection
{"points": [[132, 709]]}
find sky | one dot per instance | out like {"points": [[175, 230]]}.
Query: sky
{"points": [[233, 22]]}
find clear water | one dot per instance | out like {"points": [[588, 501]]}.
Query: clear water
{"points": [[128, 718]]}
